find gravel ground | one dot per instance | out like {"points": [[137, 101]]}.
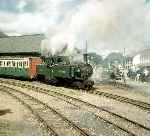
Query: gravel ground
{"points": [[16, 120], [127, 110], [124, 109], [133, 93], [86, 120]]}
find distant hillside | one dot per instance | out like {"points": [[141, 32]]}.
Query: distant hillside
{"points": [[2, 35]]}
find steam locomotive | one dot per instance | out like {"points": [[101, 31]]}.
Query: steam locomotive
{"points": [[54, 70]]}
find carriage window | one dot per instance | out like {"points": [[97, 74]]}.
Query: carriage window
{"points": [[24, 64], [8, 63], [27, 64], [0, 63], [17, 64], [20, 64], [13, 63], [4, 63]]}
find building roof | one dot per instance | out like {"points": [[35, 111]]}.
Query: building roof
{"points": [[21, 44], [2, 34]]}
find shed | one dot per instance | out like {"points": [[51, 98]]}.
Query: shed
{"points": [[26, 45]]}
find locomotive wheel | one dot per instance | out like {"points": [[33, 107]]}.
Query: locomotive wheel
{"points": [[88, 84], [53, 81], [87, 87], [40, 78], [78, 85]]}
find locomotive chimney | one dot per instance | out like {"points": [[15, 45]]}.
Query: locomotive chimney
{"points": [[85, 55]]}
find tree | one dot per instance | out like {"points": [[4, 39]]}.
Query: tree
{"points": [[113, 58], [95, 59]]}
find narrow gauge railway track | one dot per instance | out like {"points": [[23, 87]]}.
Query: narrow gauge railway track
{"points": [[42, 122], [142, 105], [42, 111], [79, 102]]}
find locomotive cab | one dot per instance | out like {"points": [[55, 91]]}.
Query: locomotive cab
{"points": [[56, 60]]}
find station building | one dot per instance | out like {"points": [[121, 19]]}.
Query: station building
{"points": [[142, 59]]}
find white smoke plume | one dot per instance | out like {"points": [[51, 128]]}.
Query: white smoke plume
{"points": [[106, 24]]}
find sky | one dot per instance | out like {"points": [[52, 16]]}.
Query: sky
{"points": [[107, 25], [32, 16]]}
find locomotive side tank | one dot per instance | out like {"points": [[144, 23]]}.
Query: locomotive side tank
{"points": [[58, 69]]}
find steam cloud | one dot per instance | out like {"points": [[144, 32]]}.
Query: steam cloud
{"points": [[107, 25]]}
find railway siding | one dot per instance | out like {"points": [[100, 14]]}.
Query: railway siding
{"points": [[120, 122], [55, 122], [107, 116], [84, 120], [132, 93], [18, 121], [143, 105]]}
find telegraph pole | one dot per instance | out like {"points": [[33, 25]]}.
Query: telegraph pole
{"points": [[124, 50]]}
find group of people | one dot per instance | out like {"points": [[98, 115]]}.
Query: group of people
{"points": [[139, 75]]}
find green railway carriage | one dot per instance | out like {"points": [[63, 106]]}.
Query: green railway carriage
{"points": [[16, 67], [19, 67], [13, 72]]}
